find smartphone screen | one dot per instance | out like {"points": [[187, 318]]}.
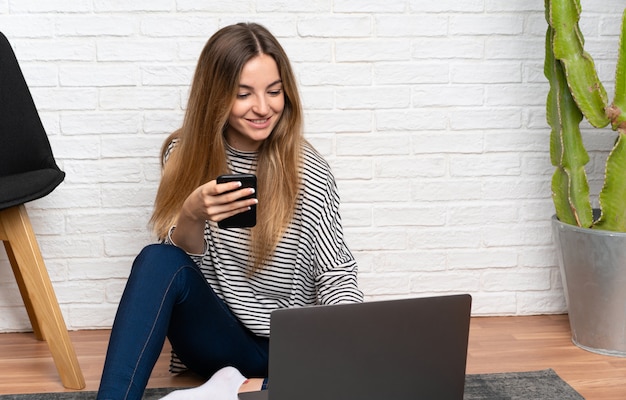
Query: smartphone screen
{"points": [[246, 219]]}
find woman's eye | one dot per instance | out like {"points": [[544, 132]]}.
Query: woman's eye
{"points": [[276, 92], [243, 95]]}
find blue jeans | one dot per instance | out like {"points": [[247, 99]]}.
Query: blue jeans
{"points": [[167, 296]]}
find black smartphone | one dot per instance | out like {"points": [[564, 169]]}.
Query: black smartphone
{"points": [[246, 219]]}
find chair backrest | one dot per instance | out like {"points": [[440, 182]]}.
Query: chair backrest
{"points": [[24, 145]]}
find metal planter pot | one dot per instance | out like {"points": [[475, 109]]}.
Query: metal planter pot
{"points": [[593, 270]]}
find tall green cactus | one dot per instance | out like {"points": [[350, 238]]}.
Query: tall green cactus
{"points": [[576, 91]]}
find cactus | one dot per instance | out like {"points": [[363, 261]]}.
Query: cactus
{"points": [[576, 92]]}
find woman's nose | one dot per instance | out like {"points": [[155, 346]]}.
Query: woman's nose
{"points": [[261, 106]]}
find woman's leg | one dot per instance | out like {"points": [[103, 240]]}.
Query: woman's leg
{"points": [[167, 292], [209, 340]]}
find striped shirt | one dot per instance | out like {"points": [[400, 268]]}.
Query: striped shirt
{"points": [[311, 264]]}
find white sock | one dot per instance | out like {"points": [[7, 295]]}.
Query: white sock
{"points": [[223, 385]]}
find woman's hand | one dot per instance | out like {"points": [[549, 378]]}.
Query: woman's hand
{"points": [[212, 202], [215, 202]]}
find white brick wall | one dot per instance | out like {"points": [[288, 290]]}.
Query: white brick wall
{"points": [[431, 113]]}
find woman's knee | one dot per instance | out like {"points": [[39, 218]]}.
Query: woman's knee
{"points": [[161, 258]]}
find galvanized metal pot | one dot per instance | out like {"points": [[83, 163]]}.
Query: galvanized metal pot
{"points": [[593, 270]]}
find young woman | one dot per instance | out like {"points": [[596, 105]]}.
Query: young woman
{"points": [[211, 290]]}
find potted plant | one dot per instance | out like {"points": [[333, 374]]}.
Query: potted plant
{"points": [[591, 243]]}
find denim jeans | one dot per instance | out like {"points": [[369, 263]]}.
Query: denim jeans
{"points": [[167, 296]]}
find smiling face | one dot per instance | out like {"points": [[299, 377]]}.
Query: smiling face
{"points": [[258, 106]]}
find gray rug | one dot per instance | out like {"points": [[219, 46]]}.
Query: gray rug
{"points": [[539, 385]]}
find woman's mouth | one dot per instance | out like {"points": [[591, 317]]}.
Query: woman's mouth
{"points": [[259, 123]]}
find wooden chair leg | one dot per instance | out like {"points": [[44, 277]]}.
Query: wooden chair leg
{"points": [[20, 284], [34, 281]]}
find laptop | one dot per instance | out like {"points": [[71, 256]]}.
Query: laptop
{"points": [[396, 349]]}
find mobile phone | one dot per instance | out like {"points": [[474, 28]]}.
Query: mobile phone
{"points": [[246, 219]]}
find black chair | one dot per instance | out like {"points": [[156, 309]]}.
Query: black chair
{"points": [[28, 172]]}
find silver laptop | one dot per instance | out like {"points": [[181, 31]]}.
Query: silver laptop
{"points": [[397, 349]]}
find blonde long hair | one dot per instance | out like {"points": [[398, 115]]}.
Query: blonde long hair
{"points": [[200, 154]]}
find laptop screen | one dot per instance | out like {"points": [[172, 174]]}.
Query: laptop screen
{"points": [[396, 349]]}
